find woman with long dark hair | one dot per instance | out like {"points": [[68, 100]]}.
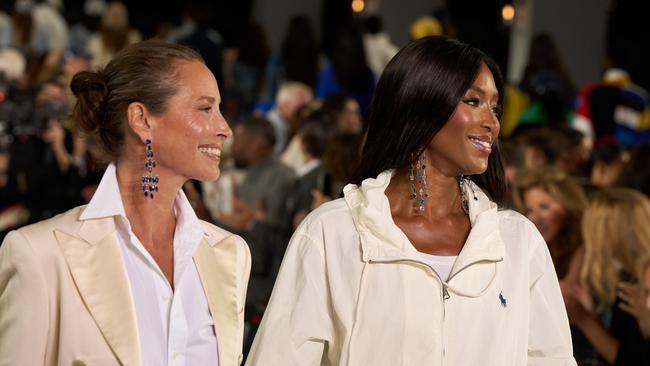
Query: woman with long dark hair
{"points": [[416, 264]]}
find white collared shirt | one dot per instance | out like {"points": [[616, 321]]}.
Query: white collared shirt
{"points": [[175, 326]]}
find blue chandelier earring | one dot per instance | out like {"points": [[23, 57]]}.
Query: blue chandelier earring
{"points": [[149, 181], [418, 181]]}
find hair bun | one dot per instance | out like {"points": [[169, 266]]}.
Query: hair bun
{"points": [[90, 89]]}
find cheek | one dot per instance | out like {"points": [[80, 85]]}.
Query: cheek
{"points": [[195, 127]]}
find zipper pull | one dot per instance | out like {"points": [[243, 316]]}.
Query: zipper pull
{"points": [[445, 293]]}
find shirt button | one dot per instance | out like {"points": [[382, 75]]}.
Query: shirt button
{"points": [[175, 355]]}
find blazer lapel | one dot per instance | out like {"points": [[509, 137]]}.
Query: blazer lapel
{"points": [[98, 271], [217, 267]]}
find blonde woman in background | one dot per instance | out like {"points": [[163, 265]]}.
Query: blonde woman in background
{"points": [[616, 234], [554, 202]]}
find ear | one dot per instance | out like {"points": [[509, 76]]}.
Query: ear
{"points": [[136, 117]]}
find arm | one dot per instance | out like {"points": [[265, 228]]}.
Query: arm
{"points": [[549, 340], [23, 304], [296, 326]]}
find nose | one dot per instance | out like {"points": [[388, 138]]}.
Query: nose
{"points": [[222, 126], [490, 121]]}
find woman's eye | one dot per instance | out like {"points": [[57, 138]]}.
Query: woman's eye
{"points": [[472, 101], [497, 110], [206, 109]]}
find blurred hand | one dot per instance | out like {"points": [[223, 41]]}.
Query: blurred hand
{"points": [[54, 134], [632, 303], [579, 306]]}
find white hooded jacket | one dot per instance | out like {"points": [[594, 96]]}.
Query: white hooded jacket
{"points": [[352, 290]]}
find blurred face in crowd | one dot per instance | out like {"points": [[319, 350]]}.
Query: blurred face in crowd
{"points": [[189, 136], [350, 117], [464, 144], [545, 212], [248, 148]]}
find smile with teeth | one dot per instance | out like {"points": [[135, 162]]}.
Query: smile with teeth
{"points": [[211, 152], [481, 144]]}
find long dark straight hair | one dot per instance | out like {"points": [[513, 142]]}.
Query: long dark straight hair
{"points": [[416, 95]]}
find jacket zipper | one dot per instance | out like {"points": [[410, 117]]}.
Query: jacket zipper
{"points": [[444, 294]]}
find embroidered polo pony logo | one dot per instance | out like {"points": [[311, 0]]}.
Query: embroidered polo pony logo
{"points": [[504, 303]]}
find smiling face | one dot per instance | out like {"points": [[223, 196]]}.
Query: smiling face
{"points": [[545, 212], [189, 135], [463, 145]]}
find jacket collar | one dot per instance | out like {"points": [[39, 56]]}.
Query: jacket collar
{"points": [[91, 249], [383, 240], [217, 262]]}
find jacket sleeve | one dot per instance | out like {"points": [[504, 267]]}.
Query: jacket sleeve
{"points": [[296, 327], [23, 304], [549, 340]]}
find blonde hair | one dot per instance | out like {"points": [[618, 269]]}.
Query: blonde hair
{"points": [[615, 228], [644, 265], [566, 191]]}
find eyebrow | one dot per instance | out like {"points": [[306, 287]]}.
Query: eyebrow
{"points": [[480, 90], [206, 98]]}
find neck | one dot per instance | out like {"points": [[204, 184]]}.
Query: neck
{"points": [[444, 197], [148, 217]]}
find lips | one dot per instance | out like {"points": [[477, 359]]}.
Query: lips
{"points": [[482, 143]]}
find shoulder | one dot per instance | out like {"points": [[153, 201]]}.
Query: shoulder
{"points": [[516, 229], [68, 221], [329, 225], [216, 234]]}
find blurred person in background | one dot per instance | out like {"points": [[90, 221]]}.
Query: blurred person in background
{"points": [[259, 199], [547, 83], [291, 97], [554, 202], [133, 277], [311, 179], [114, 34], [196, 31], [606, 305], [608, 163], [541, 147], [347, 112], [377, 44], [636, 174], [348, 71], [245, 71], [297, 60]]}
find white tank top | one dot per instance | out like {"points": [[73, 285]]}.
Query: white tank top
{"points": [[440, 263]]}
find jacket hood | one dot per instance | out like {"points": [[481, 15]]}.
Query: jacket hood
{"points": [[383, 240]]}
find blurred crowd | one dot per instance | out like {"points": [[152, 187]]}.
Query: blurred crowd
{"points": [[577, 156]]}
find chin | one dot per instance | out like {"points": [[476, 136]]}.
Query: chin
{"points": [[210, 176]]}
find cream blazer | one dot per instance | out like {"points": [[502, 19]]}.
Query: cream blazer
{"points": [[65, 298]]}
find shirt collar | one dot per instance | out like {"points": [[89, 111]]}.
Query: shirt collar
{"points": [[107, 202]]}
